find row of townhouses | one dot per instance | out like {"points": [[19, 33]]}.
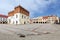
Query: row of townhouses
{"points": [[45, 19], [21, 16]]}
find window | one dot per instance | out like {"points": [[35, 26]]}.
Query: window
{"points": [[22, 16], [9, 20], [1, 19], [16, 22], [16, 16]]}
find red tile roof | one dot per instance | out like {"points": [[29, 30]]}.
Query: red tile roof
{"points": [[4, 16], [45, 17]]}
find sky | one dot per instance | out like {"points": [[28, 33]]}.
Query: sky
{"points": [[35, 7]]}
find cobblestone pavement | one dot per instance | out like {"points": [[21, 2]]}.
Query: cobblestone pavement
{"points": [[32, 32]]}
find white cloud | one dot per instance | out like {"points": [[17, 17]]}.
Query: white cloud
{"points": [[7, 5], [31, 5], [36, 5]]}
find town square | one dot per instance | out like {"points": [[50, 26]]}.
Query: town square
{"points": [[29, 20]]}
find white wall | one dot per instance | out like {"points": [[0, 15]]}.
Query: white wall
{"points": [[19, 19]]}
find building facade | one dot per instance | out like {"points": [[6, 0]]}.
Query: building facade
{"points": [[53, 19], [3, 19], [18, 16], [45, 19], [59, 20]]}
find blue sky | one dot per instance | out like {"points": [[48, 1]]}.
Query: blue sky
{"points": [[35, 7]]}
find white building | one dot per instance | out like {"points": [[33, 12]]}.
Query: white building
{"points": [[18, 16], [3, 19]]}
